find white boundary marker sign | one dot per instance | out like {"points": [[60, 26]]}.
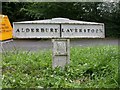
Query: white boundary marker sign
{"points": [[60, 30]]}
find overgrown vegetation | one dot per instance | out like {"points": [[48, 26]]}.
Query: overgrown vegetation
{"points": [[95, 67]]}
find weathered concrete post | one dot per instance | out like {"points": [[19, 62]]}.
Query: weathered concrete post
{"points": [[61, 52]]}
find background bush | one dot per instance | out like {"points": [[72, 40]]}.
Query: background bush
{"points": [[105, 12]]}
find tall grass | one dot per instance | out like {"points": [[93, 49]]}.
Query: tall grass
{"points": [[90, 67]]}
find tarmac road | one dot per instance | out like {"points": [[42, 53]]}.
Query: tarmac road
{"points": [[37, 45]]}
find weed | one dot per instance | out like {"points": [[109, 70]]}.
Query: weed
{"points": [[95, 67]]}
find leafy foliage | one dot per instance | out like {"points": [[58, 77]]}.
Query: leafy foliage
{"points": [[95, 67], [106, 12]]}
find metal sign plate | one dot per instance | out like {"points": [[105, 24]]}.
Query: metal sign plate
{"points": [[36, 31], [58, 30], [83, 31]]}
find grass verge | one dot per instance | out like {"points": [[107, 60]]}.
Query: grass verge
{"points": [[90, 67]]}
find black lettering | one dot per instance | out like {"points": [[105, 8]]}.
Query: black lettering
{"points": [[76, 30], [55, 30], [27, 30], [46, 29], [22, 30], [62, 30], [68, 30], [42, 29], [84, 30], [71, 30], [51, 29], [80, 30], [17, 30], [88, 30], [92, 30], [32, 30], [101, 30], [37, 30], [97, 30]]}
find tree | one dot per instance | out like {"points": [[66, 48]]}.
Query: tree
{"points": [[14, 10], [106, 12]]}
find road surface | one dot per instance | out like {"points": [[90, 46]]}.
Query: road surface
{"points": [[37, 45]]}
